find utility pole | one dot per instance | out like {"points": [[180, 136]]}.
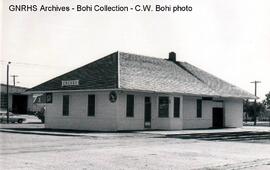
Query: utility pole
{"points": [[255, 101], [7, 89], [14, 79]]}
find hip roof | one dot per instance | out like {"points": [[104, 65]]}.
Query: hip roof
{"points": [[137, 72]]}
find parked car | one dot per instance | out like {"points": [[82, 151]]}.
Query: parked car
{"points": [[13, 118]]}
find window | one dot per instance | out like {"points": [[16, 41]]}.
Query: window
{"points": [[199, 108], [65, 105], [130, 105], [176, 109], [91, 105], [163, 107], [3, 100]]}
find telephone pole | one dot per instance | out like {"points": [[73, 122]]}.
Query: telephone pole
{"points": [[7, 90], [14, 79], [255, 101]]}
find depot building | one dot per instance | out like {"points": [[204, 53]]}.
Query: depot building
{"points": [[124, 91]]}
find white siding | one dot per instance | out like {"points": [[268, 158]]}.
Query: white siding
{"points": [[104, 119], [137, 122], [233, 113], [170, 122], [190, 113], [112, 116], [130, 123]]}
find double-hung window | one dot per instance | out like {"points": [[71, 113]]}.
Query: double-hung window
{"points": [[163, 106]]}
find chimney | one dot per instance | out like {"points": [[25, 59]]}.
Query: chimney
{"points": [[172, 56]]}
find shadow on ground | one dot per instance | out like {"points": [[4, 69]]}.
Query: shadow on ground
{"points": [[45, 132], [247, 136], [56, 132], [243, 136]]}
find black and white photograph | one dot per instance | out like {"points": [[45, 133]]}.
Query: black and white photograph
{"points": [[132, 85]]}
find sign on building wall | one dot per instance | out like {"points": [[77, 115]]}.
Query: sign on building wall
{"points": [[70, 83], [113, 96], [43, 98]]}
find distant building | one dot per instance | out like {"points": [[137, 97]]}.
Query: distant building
{"points": [[19, 102], [125, 91]]}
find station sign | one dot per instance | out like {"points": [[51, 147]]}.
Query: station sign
{"points": [[70, 83]]}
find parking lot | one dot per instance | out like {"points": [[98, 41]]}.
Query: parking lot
{"points": [[30, 146]]}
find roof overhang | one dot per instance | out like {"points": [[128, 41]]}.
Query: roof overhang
{"points": [[140, 91]]}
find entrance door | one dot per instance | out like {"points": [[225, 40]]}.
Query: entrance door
{"points": [[147, 112], [217, 117]]}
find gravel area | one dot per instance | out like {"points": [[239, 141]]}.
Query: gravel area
{"points": [[30, 146]]}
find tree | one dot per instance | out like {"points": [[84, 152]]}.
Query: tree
{"points": [[266, 101], [249, 108]]}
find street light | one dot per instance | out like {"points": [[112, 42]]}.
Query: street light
{"points": [[7, 90]]}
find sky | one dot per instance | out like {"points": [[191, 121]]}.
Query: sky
{"points": [[228, 38]]}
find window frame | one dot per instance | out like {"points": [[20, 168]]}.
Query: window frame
{"points": [[91, 107], [130, 105], [167, 107]]}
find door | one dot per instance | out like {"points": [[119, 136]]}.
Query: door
{"points": [[147, 112], [19, 104], [217, 117]]}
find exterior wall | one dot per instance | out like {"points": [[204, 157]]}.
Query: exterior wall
{"points": [[130, 123], [108, 116], [112, 116], [190, 113], [137, 122], [169, 123], [104, 119], [233, 112], [3, 100], [12, 90]]}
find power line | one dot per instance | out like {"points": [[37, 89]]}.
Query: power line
{"points": [[34, 64]]}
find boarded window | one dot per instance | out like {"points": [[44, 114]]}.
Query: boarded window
{"points": [[176, 110], [199, 108], [130, 105], [91, 105], [65, 105], [163, 107]]}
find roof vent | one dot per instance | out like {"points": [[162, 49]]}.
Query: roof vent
{"points": [[172, 56]]}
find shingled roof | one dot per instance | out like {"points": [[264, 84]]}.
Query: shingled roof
{"points": [[141, 73], [100, 74]]}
